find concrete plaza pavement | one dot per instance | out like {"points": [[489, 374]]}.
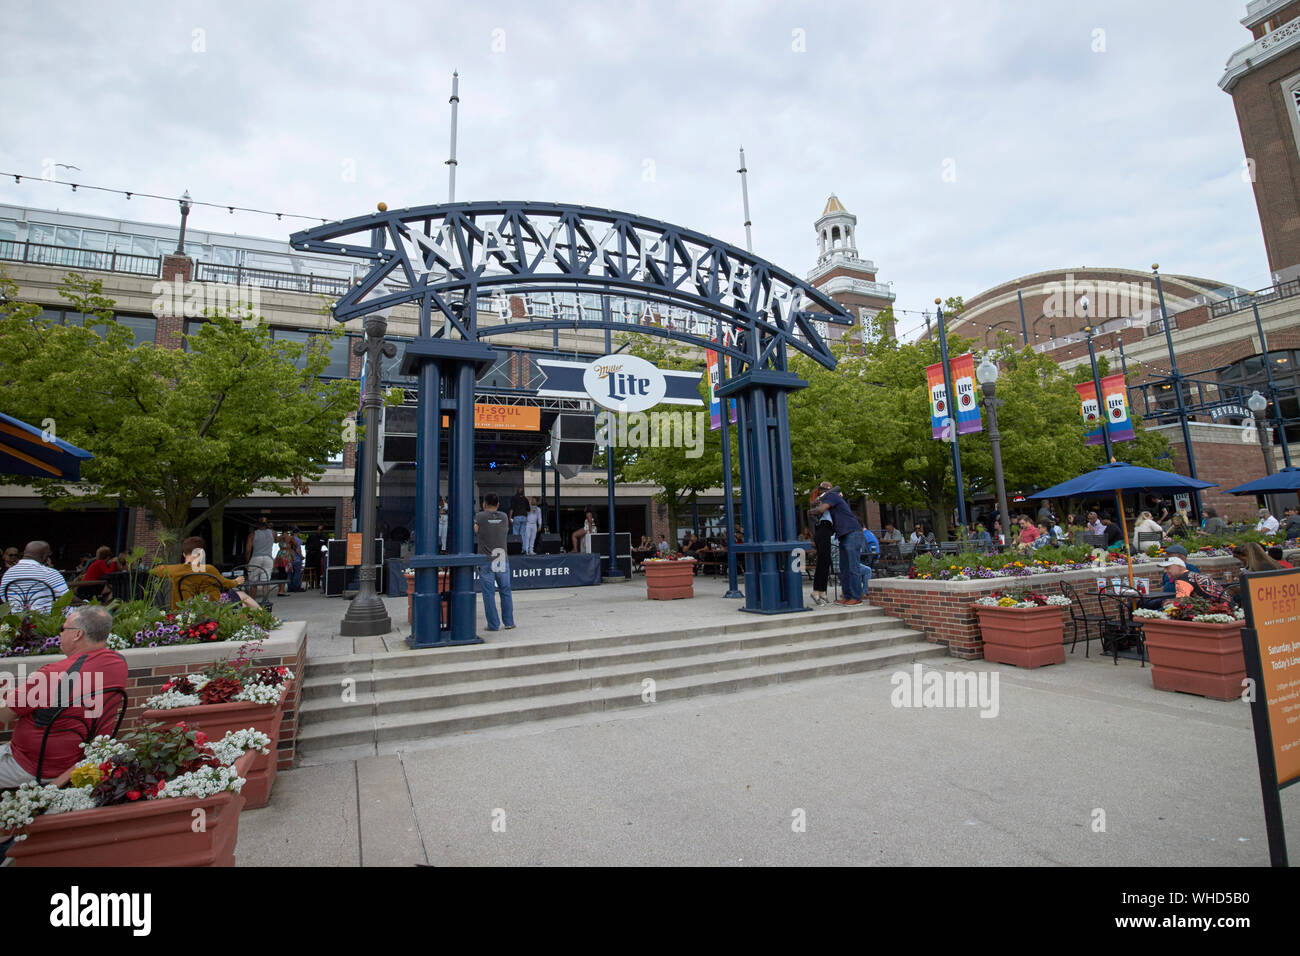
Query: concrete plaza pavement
{"points": [[1084, 764]]}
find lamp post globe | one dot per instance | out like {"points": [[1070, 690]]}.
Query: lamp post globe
{"points": [[1258, 405]]}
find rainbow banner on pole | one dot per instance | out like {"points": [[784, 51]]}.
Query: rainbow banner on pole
{"points": [[1118, 420], [940, 414], [963, 383], [1088, 409]]}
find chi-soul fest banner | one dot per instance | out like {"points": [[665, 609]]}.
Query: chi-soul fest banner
{"points": [[966, 415], [1118, 419]]}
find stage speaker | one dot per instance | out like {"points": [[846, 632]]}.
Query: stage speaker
{"points": [[573, 440], [514, 544], [547, 544]]}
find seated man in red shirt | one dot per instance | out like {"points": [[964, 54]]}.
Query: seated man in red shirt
{"points": [[78, 681]]}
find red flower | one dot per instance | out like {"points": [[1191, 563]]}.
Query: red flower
{"points": [[167, 686], [133, 794], [282, 671], [200, 738], [180, 725]]}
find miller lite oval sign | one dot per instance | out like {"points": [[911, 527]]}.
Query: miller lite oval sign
{"points": [[624, 383]]}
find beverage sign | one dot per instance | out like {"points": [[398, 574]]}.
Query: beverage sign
{"points": [[1273, 602], [1271, 642], [624, 383]]}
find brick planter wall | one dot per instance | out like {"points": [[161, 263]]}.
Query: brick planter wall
{"points": [[944, 610], [149, 669]]}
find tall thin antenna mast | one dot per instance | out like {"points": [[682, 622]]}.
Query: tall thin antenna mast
{"points": [[744, 192], [455, 101]]}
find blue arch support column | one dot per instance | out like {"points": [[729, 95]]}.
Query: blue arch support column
{"points": [[773, 582], [450, 366]]}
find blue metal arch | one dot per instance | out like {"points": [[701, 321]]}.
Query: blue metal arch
{"points": [[457, 251]]}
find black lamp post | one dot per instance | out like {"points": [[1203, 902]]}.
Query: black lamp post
{"points": [[987, 373], [185, 214], [366, 614], [1096, 382], [1258, 406]]}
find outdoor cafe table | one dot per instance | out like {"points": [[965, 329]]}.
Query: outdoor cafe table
{"points": [[1126, 602]]}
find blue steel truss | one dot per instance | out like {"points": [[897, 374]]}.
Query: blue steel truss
{"points": [[445, 257], [454, 252]]}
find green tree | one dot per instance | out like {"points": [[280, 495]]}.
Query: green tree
{"points": [[235, 412], [681, 478]]}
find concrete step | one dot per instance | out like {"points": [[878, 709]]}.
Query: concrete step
{"points": [[386, 730], [435, 671], [354, 664], [591, 671]]}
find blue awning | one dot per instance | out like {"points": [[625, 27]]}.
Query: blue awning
{"points": [[23, 451]]}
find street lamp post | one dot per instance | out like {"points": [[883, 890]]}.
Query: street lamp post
{"points": [[1258, 406], [987, 373], [366, 614], [186, 205], [1178, 388]]}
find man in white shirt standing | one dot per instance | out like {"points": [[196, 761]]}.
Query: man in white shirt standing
{"points": [[1267, 523], [34, 567]]}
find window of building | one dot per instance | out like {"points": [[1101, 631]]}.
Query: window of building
{"points": [[8, 230], [96, 241], [40, 233], [143, 327]]}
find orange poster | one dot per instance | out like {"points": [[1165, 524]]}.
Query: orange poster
{"points": [[1274, 602], [520, 418], [354, 549]]}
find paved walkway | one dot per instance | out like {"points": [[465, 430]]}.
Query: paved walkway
{"points": [[1073, 749]]}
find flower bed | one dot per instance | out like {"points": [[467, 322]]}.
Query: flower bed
{"points": [[137, 624], [972, 566], [110, 810], [148, 669]]}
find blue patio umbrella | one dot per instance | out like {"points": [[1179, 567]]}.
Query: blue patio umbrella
{"points": [[1117, 477], [1288, 479], [24, 451]]}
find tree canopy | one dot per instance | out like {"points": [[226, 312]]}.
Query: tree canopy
{"points": [[234, 412]]}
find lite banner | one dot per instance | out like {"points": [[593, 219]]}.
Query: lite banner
{"points": [[564, 379], [1118, 420], [963, 383], [940, 413], [1088, 409]]}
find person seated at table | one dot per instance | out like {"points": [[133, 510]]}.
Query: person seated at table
{"points": [[34, 565], [663, 547], [1191, 583], [1146, 524], [1114, 534], [646, 544], [194, 562], [84, 639], [691, 544], [96, 571], [1045, 537], [1291, 523], [1213, 523], [891, 534], [1276, 554], [1093, 524], [920, 536], [1028, 532]]}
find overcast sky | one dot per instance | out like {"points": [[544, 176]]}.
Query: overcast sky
{"points": [[1071, 133]]}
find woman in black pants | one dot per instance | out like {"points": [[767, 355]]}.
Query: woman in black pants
{"points": [[822, 530]]}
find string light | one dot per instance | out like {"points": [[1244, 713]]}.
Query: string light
{"points": [[18, 178]]}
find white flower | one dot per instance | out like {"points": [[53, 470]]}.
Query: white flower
{"points": [[170, 700], [117, 642], [102, 748], [238, 742], [1146, 612], [260, 693], [203, 782], [21, 807]]}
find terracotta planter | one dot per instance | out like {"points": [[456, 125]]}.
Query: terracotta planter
{"points": [[1024, 637], [145, 833], [669, 580], [410, 595], [1196, 658], [217, 720]]}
